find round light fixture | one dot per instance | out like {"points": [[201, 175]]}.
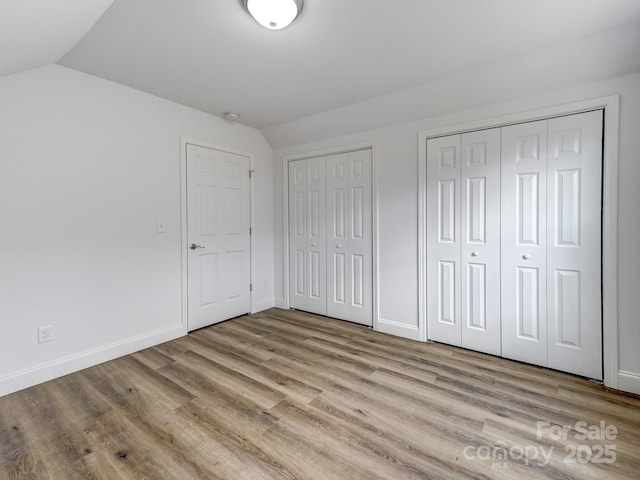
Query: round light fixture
{"points": [[274, 14]]}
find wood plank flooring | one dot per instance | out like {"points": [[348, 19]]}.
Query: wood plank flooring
{"points": [[290, 395]]}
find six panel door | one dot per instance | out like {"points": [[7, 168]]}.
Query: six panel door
{"points": [[218, 222]]}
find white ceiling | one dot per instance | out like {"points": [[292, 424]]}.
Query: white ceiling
{"points": [[210, 55], [34, 33]]}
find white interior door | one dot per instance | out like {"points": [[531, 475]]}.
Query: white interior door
{"points": [[218, 235], [524, 242], [307, 235], [349, 237], [443, 239], [480, 241], [574, 186]]}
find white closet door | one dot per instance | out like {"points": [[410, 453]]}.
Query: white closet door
{"points": [[298, 234], [307, 235], [480, 241], [349, 237], [443, 239], [574, 244], [524, 239]]}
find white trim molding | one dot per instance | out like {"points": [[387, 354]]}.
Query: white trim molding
{"points": [[628, 382], [412, 332], [611, 106], [73, 363]]}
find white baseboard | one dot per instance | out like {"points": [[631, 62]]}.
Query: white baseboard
{"points": [[629, 382], [66, 365], [280, 303], [261, 305], [398, 329]]}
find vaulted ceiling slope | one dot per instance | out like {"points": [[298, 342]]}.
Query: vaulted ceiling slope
{"points": [[35, 33], [210, 55]]}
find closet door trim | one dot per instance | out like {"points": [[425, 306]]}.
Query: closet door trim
{"points": [[611, 106]]}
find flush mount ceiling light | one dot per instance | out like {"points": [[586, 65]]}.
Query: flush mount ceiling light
{"points": [[274, 14]]}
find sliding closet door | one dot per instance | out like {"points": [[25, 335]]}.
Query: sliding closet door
{"points": [[480, 241], [307, 235], [349, 237], [574, 244], [443, 239], [524, 242]]}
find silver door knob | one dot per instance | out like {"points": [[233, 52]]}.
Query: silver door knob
{"points": [[338, 246], [474, 254], [193, 246], [526, 256], [314, 244]]}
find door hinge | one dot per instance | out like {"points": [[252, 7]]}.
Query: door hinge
{"points": [[251, 173], [251, 287]]}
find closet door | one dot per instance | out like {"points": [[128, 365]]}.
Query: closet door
{"points": [[349, 237], [574, 186], [524, 242], [480, 241], [443, 239], [463, 240], [307, 235]]}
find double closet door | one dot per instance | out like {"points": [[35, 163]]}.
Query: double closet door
{"points": [[514, 242], [330, 236]]}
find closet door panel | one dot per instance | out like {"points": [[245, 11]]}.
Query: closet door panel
{"points": [[316, 238], [361, 237], [443, 240], [480, 241], [298, 290], [350, 246], [307, 235], [338, 205], [523, 242], [574, 244]]}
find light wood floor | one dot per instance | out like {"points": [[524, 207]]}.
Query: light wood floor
{"points": [[290, 395]]}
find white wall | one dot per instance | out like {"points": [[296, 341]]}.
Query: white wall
{"points": [[87, 166], [396, 150]]}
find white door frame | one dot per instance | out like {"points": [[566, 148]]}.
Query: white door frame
{"points": [[611, 106], [374, 211], [184, 141]]}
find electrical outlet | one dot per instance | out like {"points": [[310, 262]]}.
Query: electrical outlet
{"points": [[45, 334]]}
